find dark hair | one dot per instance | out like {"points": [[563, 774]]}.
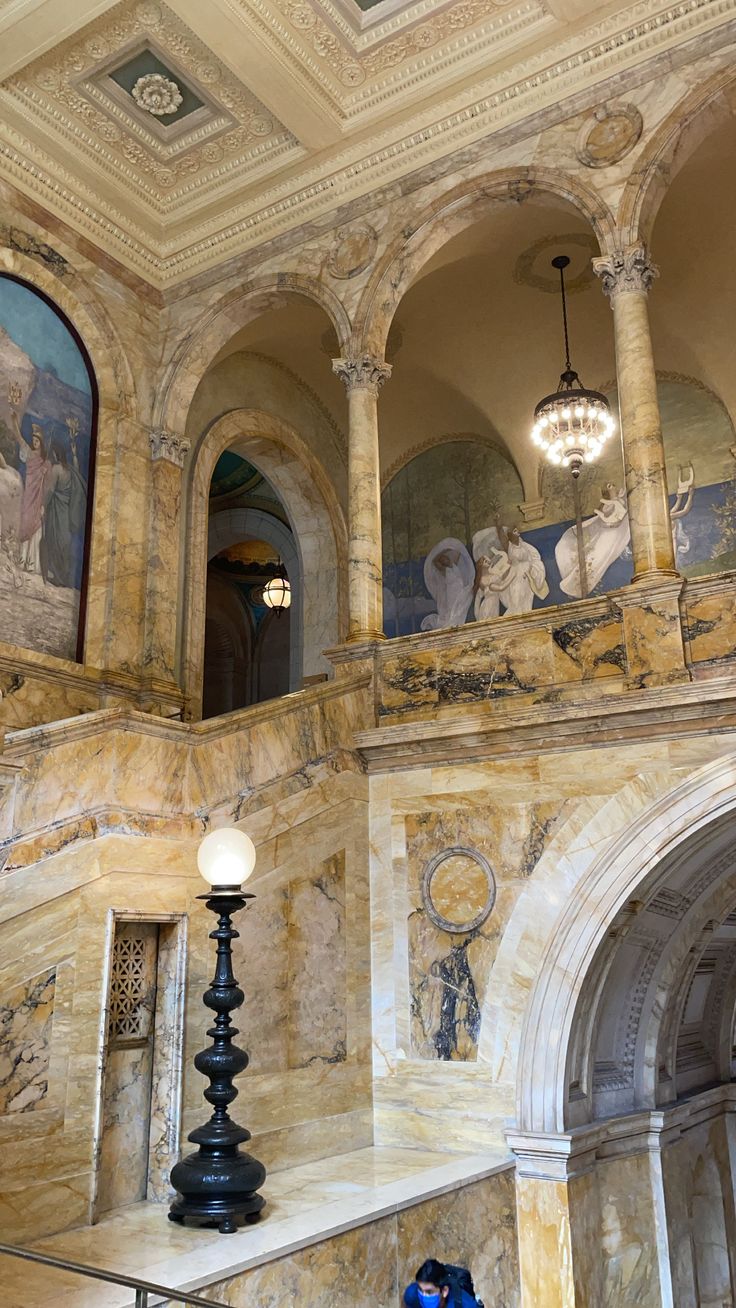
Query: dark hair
{"points": [[59, 454], [432, 1272]]}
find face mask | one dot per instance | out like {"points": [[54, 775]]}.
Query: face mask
{"points": [[429, 1300]]}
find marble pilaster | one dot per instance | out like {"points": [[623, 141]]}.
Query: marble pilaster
{"points": [[627, 276], [363, 377], [650, 614], [168, 454]]}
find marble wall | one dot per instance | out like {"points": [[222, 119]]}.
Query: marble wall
{"points": [[474, 1225], [113, 814]]}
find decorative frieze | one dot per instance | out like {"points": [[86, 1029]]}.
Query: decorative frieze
{"points": [[626, 270], [165, 445]]}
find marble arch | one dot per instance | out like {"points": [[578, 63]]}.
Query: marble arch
{"points": [[696, 116], [317, 522], [117, 432], [234, 525], [195, 352], [588, 889], [451, 214]]}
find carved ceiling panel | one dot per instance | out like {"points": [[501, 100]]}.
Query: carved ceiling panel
{"points": [[178, 134]]}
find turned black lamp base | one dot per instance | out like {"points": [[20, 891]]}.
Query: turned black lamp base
{"points": [[218, 1185]]}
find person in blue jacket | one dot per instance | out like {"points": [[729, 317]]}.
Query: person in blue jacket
{"points": [[432, 1288]]}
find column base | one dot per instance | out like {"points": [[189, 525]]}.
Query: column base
{"points": [[363, 636]]}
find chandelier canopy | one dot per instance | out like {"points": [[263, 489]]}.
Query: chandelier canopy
{"points": [[572, 425]]}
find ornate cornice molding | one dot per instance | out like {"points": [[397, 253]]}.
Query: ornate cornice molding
{"points": [[507, 105], [165, 445], [625, 271]]}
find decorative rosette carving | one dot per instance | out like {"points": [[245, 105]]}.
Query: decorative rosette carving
{"points": [[157, 94]]}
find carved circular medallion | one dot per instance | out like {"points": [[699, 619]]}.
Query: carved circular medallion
{"points": [[157, 94], [614, 131], [458, 889], [353, 250]]}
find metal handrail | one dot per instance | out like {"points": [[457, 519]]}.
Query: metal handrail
{"points": [[142, 1288]]}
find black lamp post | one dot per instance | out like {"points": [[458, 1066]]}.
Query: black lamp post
{"points": [[218, 1185]]}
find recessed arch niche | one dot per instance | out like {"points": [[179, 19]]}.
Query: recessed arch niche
{"points": [[48, 430]]}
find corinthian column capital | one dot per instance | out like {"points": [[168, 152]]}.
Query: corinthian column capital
{"points": [[626, 270], [365, 372], [165, 445]]}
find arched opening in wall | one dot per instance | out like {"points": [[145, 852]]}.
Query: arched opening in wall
{"points": [[471, 528], [48, 431], [270, 398], [693, 311], [252, 652]]}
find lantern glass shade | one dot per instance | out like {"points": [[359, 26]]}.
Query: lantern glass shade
{"points": [[277, 594], [226, 858]]}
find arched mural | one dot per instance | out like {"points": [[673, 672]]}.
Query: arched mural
{"points": [[456, 548], [47, 436]]}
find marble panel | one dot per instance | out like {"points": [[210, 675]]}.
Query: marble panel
{"points": [[473, 1226], [628, 1235], [26, 1015], [448, 972], [353, 1270], [652, 632], [709, 626], [317, 979]]}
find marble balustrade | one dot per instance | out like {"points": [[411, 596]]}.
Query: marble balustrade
{"points": [[644, 635]]}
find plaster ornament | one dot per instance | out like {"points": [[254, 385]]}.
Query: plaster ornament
{"points": [[353, 250], [614, 132], [157, 94]]}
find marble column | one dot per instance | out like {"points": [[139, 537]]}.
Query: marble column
{"points": [[168, 453], [627, 276], [363, 377]]}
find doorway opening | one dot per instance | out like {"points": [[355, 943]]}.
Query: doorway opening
{"points": [[140, 1104]]}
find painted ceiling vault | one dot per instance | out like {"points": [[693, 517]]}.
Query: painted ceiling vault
{"points": [[176, 134]]}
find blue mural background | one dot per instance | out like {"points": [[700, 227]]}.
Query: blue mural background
{"points": [[451, 492]]}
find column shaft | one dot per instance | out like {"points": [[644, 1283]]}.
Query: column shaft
{"points": [[363, 378], [627, 276]]}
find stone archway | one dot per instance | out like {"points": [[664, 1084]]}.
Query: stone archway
{"points": [[317, 524], [234, 525], [461, 208], [602, 894]]}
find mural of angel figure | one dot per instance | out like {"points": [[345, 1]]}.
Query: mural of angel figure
{"points": [[605, 537], [449, 575], [509, 571], [680, 509]]}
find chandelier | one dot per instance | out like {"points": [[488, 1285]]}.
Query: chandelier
{"points": [[573, 425], [277, 591]]}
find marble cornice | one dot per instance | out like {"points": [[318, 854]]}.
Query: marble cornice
{"points": [[697, 708], [562, 1156], [509, 105]]}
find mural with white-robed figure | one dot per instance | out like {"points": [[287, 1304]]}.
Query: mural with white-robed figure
{"points": [[457, 549], [47, 416]]}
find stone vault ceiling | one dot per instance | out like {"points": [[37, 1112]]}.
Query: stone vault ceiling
{"points": [[178, 134]]}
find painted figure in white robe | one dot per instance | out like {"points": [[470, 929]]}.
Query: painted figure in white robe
{"points": [[605, 537], [509, 571], [680, 509], [449, 576]]}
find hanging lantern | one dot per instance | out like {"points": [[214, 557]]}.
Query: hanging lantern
{"points": [[277, 592], [572, 425]]}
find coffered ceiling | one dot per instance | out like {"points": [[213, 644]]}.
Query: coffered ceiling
{"points": [[176, 134]]}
